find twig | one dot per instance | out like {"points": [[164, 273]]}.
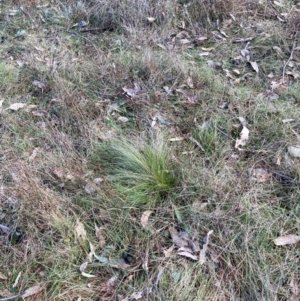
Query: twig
{"points": [[10, 298], [291, 56]]}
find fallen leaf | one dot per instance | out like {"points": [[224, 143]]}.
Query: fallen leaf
{"points": [[294, 151], [186, 252], [201, 38], [244, 137], [122, 119], [80, 231], [184, 41], [202, 257], [168, 252], [197, 205], [2, 276], [31, 291], [204, 53], [118, 264], [34, 153], [176, 139], [151, 19], [179, 241], [288, 120], [39, 84], [189, 82], [145, 218], [88, 188], [191, 98], [100, 236], [278, 3], [82, 270], [98, 181], [254, 66], [39, 113], [16, 106], [287, 240], [260, 175], [132, 92]]}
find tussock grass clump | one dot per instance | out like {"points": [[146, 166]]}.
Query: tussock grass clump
{"points": [[140, 169]]}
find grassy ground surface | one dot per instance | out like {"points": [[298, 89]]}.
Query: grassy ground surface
{"points": [[149, 150]]}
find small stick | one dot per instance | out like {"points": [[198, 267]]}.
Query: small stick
{"points": [[291, 56]]}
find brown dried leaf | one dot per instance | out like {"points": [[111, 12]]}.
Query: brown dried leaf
{"points": [[287, 240], [32, 291], [145, 218], [178, 241], [202, 257], [80, 231], [100, 236], [187, 252]]}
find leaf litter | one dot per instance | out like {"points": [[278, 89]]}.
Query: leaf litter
{"points": [[188, 247]]}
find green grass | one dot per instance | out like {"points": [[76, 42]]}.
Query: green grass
{"points": [[140, 169]]}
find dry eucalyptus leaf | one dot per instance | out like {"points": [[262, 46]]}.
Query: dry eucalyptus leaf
{"points": [[187, 252], [254, 66], [16, 106], [32, 291], [82, 269], [202, 257], [100, 236], [80, 231], [122, 119], [178, 241], [287, 240], [294, 151], [145, 218]]}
